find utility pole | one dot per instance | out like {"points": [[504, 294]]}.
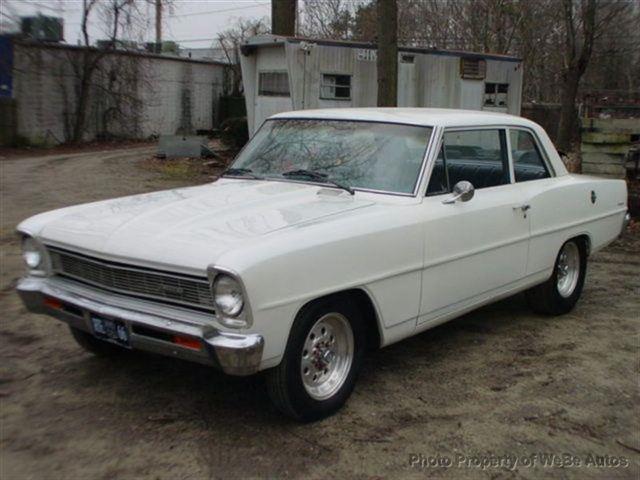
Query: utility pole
{"points": [[387, 21], [283, 17], [158, 45]]}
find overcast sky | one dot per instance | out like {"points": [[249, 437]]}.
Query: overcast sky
{"points": [[192, 23]]}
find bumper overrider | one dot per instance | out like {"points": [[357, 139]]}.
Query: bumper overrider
{"points": [[171, 331]]}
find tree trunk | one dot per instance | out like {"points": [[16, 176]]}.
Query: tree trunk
{"points": [[568, 125], [283, 17], [158, 45], [387, 14]]}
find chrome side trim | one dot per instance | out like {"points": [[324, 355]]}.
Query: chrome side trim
{"points": [[233, 353]]}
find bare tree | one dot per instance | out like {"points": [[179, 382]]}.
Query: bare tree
{"points": [[283, 17], [387, 53], [329, 18], [584, 23], [118, 16], [230, 41]]}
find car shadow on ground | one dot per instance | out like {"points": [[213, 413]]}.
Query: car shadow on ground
{"points": [[167, 390]]}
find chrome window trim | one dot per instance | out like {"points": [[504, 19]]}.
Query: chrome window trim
{"points": [[499, 128], [416, 189], [541, 151]]}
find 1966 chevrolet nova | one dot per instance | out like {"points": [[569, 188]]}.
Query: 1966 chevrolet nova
{"points": [[333, 231]]}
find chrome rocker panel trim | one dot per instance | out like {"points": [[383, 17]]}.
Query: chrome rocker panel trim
{"points": [[233, 353]]}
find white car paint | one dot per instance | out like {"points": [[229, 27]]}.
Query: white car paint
{"points": [[421, 262]]}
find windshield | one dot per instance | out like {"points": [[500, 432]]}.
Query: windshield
{"points": [[365, 155]]}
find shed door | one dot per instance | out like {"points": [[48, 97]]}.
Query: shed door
{"points": [[407, 94]]}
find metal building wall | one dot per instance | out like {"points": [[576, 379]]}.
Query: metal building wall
{"points": [[431, 80]]}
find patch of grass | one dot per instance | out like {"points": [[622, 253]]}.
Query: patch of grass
{"points": [[184, 169]]}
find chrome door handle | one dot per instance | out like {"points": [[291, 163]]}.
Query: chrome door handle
{"points": [[524, 207]]}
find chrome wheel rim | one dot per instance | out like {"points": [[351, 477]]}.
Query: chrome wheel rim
{"points": [[568, 269], [327, 356]]}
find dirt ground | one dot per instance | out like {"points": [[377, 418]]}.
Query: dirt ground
{"points": [[500, 381]]}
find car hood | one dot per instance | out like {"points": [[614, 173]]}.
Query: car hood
{"points": [[189, 228]]}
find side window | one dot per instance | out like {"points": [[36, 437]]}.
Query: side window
{"points": [[495, 94], [478, 156], [273, 84], [438, 183], [527, 161], [335, 87]]}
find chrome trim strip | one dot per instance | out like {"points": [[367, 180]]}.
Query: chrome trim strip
{"points": [[539, 233]]}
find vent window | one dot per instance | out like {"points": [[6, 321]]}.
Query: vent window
{"points": [[473, 68], [335, 87], [273, 84]]}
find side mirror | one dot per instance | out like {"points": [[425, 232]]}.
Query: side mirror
{"points": [[463, 191]]}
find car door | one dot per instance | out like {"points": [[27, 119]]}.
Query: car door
{"points": [[475, 249]]}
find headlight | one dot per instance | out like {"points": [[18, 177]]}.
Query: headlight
{"points": [[35, 256], [31, 253], [227, 296]]}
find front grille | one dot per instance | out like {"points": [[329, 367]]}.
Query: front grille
{"points": [[166, 287]]}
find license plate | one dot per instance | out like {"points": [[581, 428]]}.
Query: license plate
{"points": [[110, 329]]}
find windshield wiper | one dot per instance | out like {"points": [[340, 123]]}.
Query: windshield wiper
{"points": [[241, 172], [319, 177]]}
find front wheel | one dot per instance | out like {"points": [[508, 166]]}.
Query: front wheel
{"points": [[321, 361], [561, 292]]}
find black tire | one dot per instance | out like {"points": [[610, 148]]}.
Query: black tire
{"points": [[94, 345], [546, 298], [284, 382]]}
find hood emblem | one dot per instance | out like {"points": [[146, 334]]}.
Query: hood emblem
{"points": [[593, 196], [171, 290]]}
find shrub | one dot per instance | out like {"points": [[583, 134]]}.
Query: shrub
{"points": [[234, 132]]}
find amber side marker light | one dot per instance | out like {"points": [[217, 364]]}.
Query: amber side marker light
{"points": [[52, 302], [187, 342]]}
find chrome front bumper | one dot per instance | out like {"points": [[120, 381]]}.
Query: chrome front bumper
{"points": [[151, 327]]}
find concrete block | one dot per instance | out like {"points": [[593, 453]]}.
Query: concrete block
{"points": [[616, 171], [171, 146], [621, 125], [609, 148], [604, 158], [605, 137]]}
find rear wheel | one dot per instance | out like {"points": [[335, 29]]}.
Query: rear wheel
{"points": [[561, 292], [321, 362], [93, 345]]}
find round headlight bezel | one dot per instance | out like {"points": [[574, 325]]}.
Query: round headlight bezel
{"points": [[35, 256], [31, 253], [228, 296]]}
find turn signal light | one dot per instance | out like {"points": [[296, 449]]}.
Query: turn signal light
{"points": [[52, 302], [187, 342]]}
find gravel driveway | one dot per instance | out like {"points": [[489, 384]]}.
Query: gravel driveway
{"points": [[497, 385]]}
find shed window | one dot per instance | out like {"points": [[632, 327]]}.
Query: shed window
{"points": [[473, 68], [335, 87], [273, 84], [495, 94]]}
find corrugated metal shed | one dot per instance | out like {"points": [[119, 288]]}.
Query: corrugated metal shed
{"points": [[330, 74]]}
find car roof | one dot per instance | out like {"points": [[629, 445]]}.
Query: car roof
{"points": [[446, 117]]}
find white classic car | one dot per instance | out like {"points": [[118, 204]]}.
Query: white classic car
{"points": [[333, 231]]}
